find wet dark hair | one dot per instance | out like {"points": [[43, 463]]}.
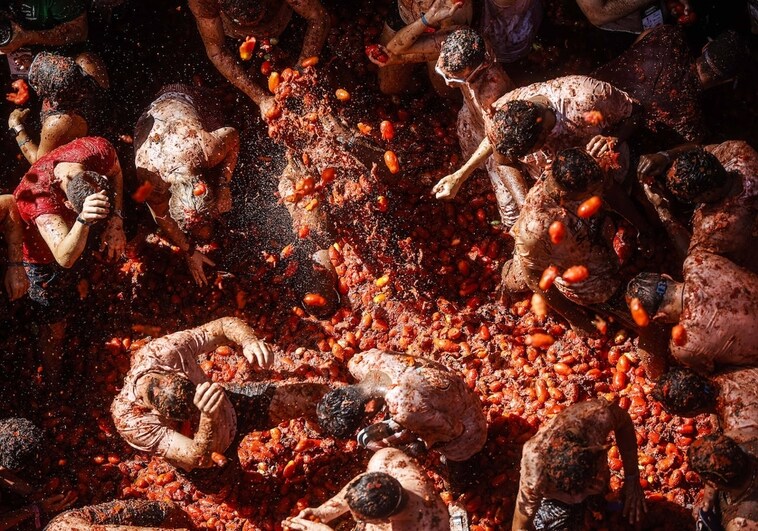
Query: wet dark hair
{"points": [[243, 11], [574, 170], [684, 392], [463, 48], [341, 410], [696, 176], [172, 395], [719, 460], [128, 512], [726, 55], [515, 128], [570, 463], [649, 288], [20, 442], [57, 77], [375, 495], [186, 208], [84, 184]]}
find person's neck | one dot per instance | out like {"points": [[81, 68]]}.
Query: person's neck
{"points": [[63, 171]]}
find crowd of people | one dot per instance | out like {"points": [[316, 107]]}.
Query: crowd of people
{"points": [[618, 211]]}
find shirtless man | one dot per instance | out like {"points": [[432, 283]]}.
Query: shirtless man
{"points": [[122, 515], [567, 462], [72, 191], [729, 395], [464, 62], [188, 159], [723, 180], [729, 471], [531, 124], [394, 493], [238, 19], [15, 280], [427, 24], [157, 396], [425, 401], [715, 304]]}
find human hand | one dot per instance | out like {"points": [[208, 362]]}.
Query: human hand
{"points": [[57, 503], [16, 282], [195, 263], [379, 55], [651, 165], [442, 10], [297, 523], [208, 397], [634, 500], [267, 108], [599, 145], [256, 351], [114, 238], [655, 196], [18, 117], [448, 186], [95, 208]]}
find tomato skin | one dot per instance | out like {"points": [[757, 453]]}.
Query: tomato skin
{"points": [[590, 207], [390, 159]]}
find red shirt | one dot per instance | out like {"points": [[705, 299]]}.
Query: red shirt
{"points": [[38, 193]]}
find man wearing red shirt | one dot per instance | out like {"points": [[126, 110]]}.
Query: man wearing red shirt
{"points": [[60, 200]]}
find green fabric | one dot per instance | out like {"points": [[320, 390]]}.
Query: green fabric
{"points": [[46, 14]]}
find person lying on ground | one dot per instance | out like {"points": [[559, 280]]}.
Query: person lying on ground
{"points": [[713, 306], [465, 62], [186, 158], [427, 23], [722, 180], [122, 515], [20, 445], [72, 97], [566, 463], [729, 395], [425, 402], [15, 280], [529, 125], [394, 493], [71, 192], [218, 20], [729, 471]]}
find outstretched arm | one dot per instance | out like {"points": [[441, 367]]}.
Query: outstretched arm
{"points": [[318, 26], [66, 33], [234, 330], [16, 281], [634, 498], [448, 187]]}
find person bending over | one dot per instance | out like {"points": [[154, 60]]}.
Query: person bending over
{"points": [[394, 493], [67, 194], [566, 462], [15, 280], [166, 387], [237, 19], [188, 159], [122, 515], [425, 402]]}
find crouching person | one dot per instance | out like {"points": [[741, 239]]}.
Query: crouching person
{"points": [[394, 493]]}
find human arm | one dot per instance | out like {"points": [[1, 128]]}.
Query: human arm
{"points": [[67, 244], [448, 186], [233, 330], [65, 33], [438, 12], [113, 236], [327, 511], [224, 148], [53, 504], [318, 26], [634, 498], [212, 32], [600, 12], [654, 164], [16, 281], [529, 494]]}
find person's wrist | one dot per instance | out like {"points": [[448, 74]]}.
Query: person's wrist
{"points": [[83, 221], [15, 129], [429, 24], [36, 513]]}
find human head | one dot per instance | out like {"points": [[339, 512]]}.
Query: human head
{"points": [[463, 53], [718, 460], [684, 392], [56, 77], [192, 206], [341, 410], [83, 184], [243, 11], [516, 129], [375, 496], [170, 394], [722, 59], [20, 443], [575, 173], [657, 294], [697, 176], [570, 462]]}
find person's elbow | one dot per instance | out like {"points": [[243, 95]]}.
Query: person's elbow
{"points": [[79, 29], [66, 262]]}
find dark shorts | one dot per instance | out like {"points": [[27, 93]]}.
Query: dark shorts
{"points": [[251, 402], [52, 292], [558, 516]]}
